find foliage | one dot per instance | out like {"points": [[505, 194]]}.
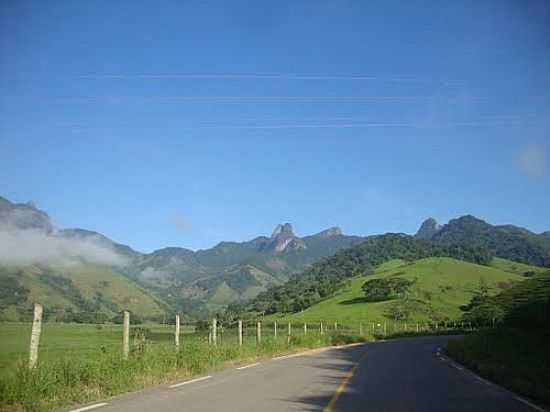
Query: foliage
{"points": [[447, 282], [506, 241], [515, 358], [324, 278], [386, 288]]}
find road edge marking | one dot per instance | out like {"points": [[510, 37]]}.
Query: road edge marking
{"points": [[90, 407], [467, 371], [532, 405], [340, 389], [177, 385], [248, 366]]}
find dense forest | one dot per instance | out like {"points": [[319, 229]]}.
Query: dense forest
{"points": [[328, 275]]}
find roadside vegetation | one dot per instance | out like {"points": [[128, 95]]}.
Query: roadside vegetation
{"points": [[80, 377], [515, 352]]}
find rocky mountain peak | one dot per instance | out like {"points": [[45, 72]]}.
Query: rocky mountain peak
{"points": [[331, 231], [285, 229], [428, 229], [283, 239]]}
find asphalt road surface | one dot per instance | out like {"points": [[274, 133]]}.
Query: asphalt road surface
{"points": [[394, 376]]}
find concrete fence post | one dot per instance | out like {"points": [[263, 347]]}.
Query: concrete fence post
{"points": [[126, 335], [177, 333], [305, 328], [35, 335], [275, 329], [321, 328], [259, 332], [240, 332], [214, 331]]}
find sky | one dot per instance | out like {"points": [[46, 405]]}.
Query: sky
{"points": [[185, 123]]}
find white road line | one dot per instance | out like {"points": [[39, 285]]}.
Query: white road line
{"points": [[90, 407], [457, 367], [177, 385], [532, 405], [287, 356], [248, 366]]}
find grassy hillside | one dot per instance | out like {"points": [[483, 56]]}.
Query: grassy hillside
{"points": [[85, 288], [442, 284]]}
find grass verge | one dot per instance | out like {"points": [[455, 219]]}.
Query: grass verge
{"points": [[67, 381], [514, 358]]}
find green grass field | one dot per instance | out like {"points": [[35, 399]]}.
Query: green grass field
{"points": [[443, 283], [81, 363]]}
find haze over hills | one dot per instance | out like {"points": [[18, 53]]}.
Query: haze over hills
{"points": [[46, 261], [181, 278]]}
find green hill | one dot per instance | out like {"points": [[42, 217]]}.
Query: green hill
{"points": [[441, 286], [91, 290]]}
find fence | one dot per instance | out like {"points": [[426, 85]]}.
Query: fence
{"points": [[52, 340]]}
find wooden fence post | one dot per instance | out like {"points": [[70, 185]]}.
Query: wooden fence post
{"points": [[289, 331], [126, 335], [259, 332], [177, 333], [35, 335], [240, 332], [214, 331]]}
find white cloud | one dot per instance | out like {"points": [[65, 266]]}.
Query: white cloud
{"points": [[181, 223], [531, 160], [23, 247]]}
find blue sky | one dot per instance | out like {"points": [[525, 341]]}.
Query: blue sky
{"points": [[188, 123]]}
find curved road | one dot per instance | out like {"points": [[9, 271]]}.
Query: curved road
{"points": [[393, 376]]}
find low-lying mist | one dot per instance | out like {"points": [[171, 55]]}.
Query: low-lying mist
{"points": [[28, 246]]}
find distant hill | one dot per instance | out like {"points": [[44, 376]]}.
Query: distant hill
{"points": [[234, 271], [178, 278], [440, 286], [505, 241], [297, 271], [327, 276]]}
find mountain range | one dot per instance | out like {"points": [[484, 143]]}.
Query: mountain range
{"points": [[49, 263]]}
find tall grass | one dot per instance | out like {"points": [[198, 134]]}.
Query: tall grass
{"points": [[64, 381], [515, 358]]}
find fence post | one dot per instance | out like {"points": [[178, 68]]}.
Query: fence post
{"points": [[214, 331], [240, 332], [289, 331], [305, 328], [360, 328], [209, 334], [275, 329], [177, 332], [35, 335], [321, 328], [335, 326], [417, 329], [384, 328], [126, 335], [259, 332]]}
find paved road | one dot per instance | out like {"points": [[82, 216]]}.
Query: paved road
{"points": [[394, 376]]}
